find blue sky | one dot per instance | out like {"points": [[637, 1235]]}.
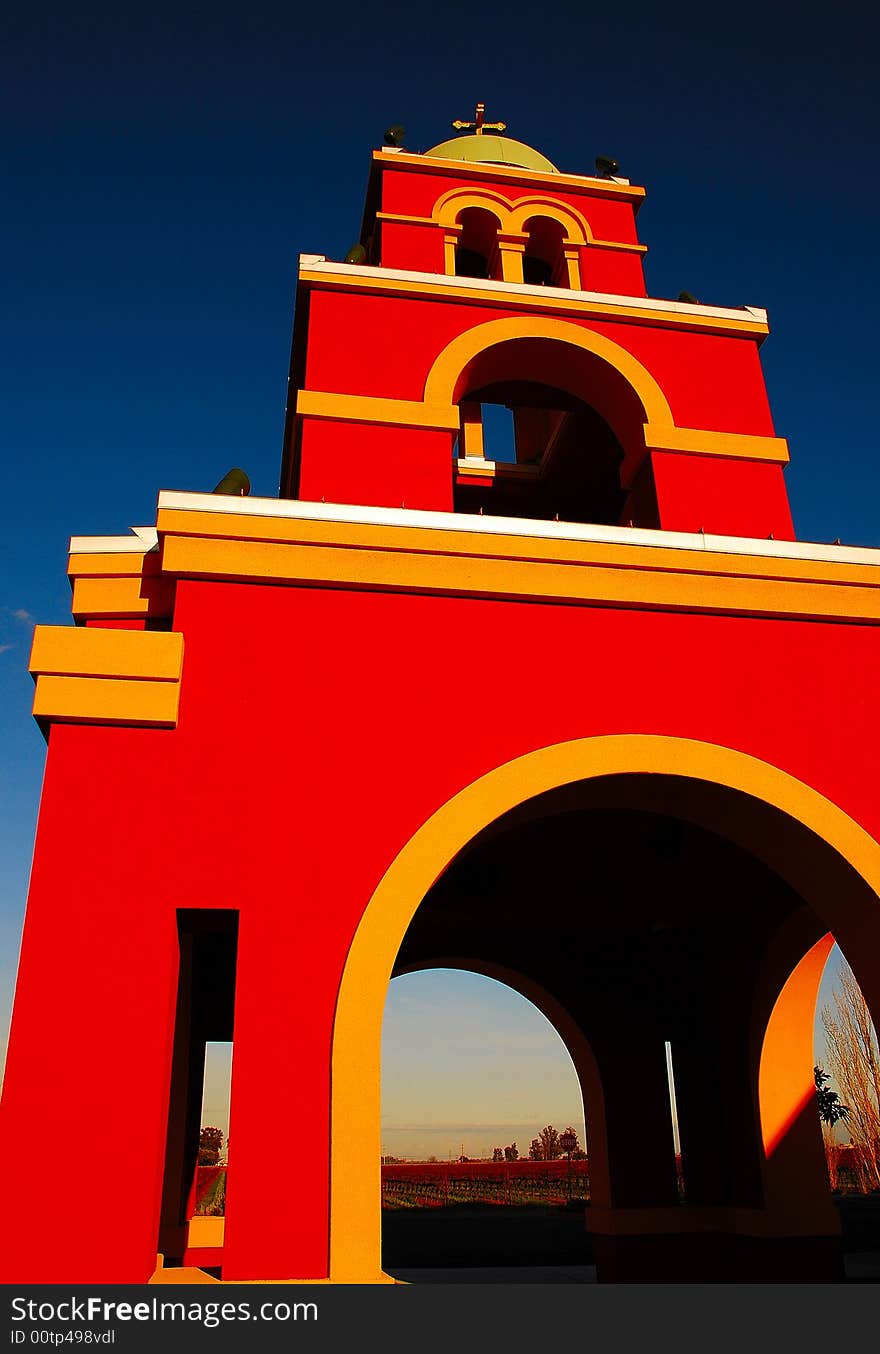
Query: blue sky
{"points": [[166, 164]]}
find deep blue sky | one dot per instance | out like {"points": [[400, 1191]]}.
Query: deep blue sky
{"points": [[164, 167]]}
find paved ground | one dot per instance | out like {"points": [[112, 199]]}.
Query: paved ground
{"points": [[862, 1267], [487, 1274]]}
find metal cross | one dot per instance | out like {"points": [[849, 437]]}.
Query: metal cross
{"points": [[479, 126]]}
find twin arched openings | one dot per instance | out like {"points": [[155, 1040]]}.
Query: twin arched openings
{"points": [[541, 254], [535, 242]]}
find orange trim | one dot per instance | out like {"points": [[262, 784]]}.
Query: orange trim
{"points": [[212, 545], [374, 409], [442, 380], [122, 597], [100, 676], [581, 304], [589, 241], [71, 651], [785, 1079], [510, 173], [105, 700], [700, 442]]}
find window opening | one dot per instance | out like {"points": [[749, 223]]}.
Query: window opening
{"points": [[673, 1111], [477, 254], [527, 450], [544, 261]]}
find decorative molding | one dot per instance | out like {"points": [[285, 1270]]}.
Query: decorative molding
{"points": [[412, 559], [748, 321], [106, 676], [307, 514], [702, 442], [373, 409], [512, 174]]}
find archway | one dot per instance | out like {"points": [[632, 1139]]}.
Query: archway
{"points": [[817, 851], [582, 401], [473, 1070]]}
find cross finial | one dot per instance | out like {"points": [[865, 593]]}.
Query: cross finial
{"points": [[478, 126]]}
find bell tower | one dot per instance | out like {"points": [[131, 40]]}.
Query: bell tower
{"points": [[520, 673], [493, 350]]}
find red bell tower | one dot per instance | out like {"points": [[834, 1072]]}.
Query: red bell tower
{"points": [[490, 279], [522, 672]]}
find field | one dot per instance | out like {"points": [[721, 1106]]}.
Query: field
{"points": [[512, 1184], [208, 1194]]}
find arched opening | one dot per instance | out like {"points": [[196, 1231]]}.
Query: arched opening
{"points": [[579, 403], [847, 1076], [552, 456], [476, 253], [478, 1089], [656, 909], [544, 262]]}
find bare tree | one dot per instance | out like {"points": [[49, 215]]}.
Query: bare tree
{"points": [[854, 1058]]}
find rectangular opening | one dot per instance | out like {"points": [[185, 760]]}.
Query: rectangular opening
{"points": [[499, 437], [208, 941], [208, 1197]]}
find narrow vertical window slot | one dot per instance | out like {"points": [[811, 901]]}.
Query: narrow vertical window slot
{"points": [[208, 940], [673, 1110]]}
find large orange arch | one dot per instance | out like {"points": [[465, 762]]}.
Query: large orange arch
{"points": [[355, 1169], [452, 360]]}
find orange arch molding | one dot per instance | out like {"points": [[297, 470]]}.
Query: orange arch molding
{"points": [[511, 216], [451, 362], [355, 1168], [785, 1078]]}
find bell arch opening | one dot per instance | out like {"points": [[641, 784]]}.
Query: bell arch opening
{"points": [[576, 422], [476, 251], [544, 261]]}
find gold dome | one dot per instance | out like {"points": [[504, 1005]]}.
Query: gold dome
{"points": [[487, 149]]}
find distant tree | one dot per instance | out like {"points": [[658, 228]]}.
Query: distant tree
{"points": [[497, 1153], [210, 1143], [536, 1151], [550, 1148], [511, 1153], [831, 1110]]}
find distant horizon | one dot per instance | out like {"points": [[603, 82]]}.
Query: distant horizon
{"points": [[462, 1021]]}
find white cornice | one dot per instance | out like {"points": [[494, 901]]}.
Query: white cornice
{"points": [[296, 509], [140, 542], [313, 267]]}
